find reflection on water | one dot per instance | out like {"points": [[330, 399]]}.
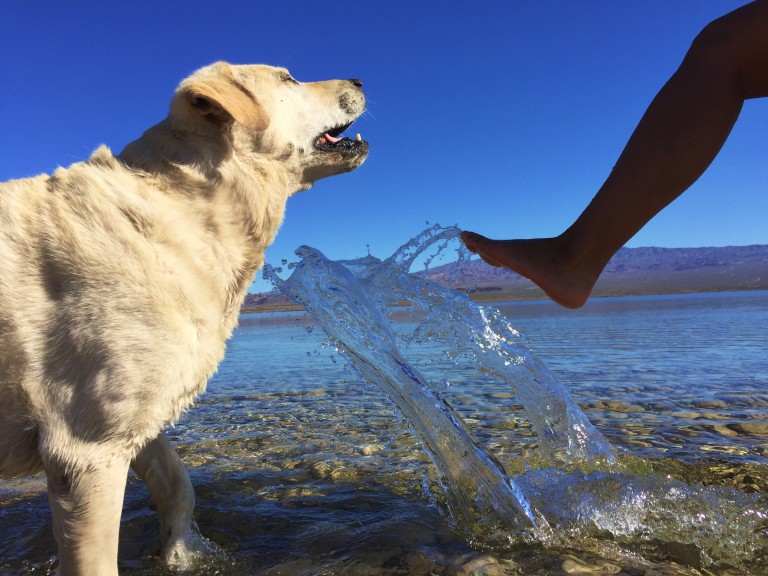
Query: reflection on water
{"points": [[300, 468]]}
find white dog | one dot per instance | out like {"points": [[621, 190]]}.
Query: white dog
{"points": [[122, 278]]}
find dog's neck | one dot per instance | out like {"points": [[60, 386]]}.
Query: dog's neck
{"points": [[184, 158], [240, 198]]}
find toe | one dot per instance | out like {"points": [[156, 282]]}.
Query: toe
{"points": [[472, 240]]}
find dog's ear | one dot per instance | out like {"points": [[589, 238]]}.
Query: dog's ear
{"points": [[221, 99]]}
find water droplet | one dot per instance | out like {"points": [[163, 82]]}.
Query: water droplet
{"points": [[352, 302]]}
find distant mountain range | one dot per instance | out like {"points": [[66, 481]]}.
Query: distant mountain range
{"points": [[632, 271]]}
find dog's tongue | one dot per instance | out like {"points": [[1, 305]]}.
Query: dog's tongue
{"points": [[330, 139]]}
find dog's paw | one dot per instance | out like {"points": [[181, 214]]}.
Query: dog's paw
{"points": [[187, 551]]}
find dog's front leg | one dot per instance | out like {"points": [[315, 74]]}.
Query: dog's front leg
{"points": [[86, 502], [172, 496]]}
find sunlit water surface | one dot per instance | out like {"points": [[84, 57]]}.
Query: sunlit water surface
{"points": [[302, 468]]}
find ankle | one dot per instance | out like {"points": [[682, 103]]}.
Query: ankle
{"points": [[578, 259]]}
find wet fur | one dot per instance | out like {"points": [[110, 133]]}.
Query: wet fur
{"points": [[122, 279]]}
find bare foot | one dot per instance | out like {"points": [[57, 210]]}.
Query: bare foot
{"points": [[540, 260]]}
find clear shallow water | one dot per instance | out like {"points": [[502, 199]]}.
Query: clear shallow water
{"points": [[302, 469]]}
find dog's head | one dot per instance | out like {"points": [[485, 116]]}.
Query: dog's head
{"points": [[263, 111]]}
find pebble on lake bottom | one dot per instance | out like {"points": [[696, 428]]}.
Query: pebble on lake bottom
{"points": [[573, 565]]}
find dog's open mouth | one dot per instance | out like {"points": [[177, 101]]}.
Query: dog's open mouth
{"points": [[333, 141]]}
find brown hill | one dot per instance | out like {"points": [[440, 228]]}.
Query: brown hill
{"points": [[632, 271]]}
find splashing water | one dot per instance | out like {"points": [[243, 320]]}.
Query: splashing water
{"points": [[353, 301], [478, 489], [484, 336]]}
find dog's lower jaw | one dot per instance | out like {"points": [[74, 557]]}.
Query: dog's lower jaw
{"points": [[303, 187], [335, 165]]}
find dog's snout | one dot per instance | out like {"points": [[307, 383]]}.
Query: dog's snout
{"points": [[357, 82]]}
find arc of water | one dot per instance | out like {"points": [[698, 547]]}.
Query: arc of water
{"points": [[352, 300], [476, 485], [564, 432]]}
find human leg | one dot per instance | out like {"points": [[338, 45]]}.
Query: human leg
{"points": [[678, 137]]}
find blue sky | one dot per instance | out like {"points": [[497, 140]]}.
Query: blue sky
{"points": [[501, 117]]}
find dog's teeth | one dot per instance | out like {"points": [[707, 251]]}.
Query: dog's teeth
{"points": [[358, 137]]}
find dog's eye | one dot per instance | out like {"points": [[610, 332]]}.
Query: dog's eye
{"points": [[285, 77]]}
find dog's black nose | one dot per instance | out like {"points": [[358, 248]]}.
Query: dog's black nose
{"points": [[357, 82]]}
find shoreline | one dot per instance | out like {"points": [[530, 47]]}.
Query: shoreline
{"points": [[532, 295]]}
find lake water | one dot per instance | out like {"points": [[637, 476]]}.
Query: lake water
{"points": [[302, 469]]}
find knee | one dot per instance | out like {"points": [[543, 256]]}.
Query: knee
{"points": [[176, 496], [714, 45], [725, 48], [184, 492]]}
